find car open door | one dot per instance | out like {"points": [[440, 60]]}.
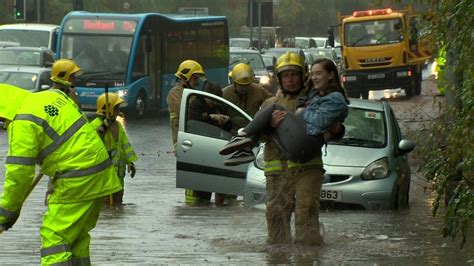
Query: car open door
{"points": [[199, 165]]}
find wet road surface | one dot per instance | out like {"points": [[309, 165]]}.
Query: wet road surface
{"points": [[155, 227]]}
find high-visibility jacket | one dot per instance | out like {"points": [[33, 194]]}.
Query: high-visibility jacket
{"points": [[120, 150], [174, 104], [49, 130]]}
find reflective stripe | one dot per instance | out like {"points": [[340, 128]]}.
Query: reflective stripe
{"points": [[81, 261], [88, 171], [63, 263], [173, 115], [41, 122], [275, 165], [130, 154], [63, 138], [10, 215], [55, 249], [20, 160], [317, 161]]}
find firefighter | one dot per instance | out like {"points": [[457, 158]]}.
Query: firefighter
{"points": [[188, 75], [46, 128], [63, 75], [248, 96], [291, 185], [243, 92], [115, 139]]}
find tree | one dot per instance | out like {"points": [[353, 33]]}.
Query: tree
{"points": [[448, 159]]}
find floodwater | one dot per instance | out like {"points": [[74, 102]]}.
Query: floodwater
{"points": [[155, 227]]}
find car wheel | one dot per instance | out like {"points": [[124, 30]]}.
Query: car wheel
{"points": [[403, 195], [365, 94], [140, 105], [418, 85]]}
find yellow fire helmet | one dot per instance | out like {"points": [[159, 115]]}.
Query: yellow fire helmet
{"points": [[63, 69], [114, 100], [290, 60], [188, 68], [242, 74]]}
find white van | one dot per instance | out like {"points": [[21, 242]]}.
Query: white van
{"points": [[30, 34]]}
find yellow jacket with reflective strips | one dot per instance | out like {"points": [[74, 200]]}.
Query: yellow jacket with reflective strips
{"points": [[174, 103], [49, 130], [275, 161], [120, 150]]}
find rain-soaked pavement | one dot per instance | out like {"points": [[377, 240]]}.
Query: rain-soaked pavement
{"points": [[155, 227]]}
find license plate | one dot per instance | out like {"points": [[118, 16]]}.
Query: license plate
{"points": [[376, 76], [335, 195]]}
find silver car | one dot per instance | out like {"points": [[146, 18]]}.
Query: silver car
{"points": [[367, 169], [30, 78]]}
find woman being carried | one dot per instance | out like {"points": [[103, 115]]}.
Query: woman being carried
{"points": [[299, 136]]}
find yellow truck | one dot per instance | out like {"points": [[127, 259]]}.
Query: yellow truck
{"points": [[381, 49]]}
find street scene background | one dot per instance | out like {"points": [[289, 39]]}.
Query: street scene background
{"points": [[155, 227]]}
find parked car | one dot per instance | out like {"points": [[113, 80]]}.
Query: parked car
{"points": [[325, 53], [305, 42], [242, 43], [367, 169], [321, 42], [30, 78], [26, 56], [277, 52], [255, 60], [30, 34]]}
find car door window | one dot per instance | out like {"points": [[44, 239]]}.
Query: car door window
{"points": [[210, 117]]}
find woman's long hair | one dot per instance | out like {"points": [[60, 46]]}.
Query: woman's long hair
{"points": [[334, 84]]}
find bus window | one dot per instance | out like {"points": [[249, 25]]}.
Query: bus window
{"points": [[139, 66]]}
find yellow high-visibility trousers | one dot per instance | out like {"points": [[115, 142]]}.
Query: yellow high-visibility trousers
{"points": [[65, 235]]}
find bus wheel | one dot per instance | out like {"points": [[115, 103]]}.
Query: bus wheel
{"points": [[140, 105]]}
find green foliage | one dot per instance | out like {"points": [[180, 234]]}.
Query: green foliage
{"points": [[448, 158]]}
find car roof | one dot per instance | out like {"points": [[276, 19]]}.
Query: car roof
{"points": [[367, 104], [25, 48], [24, 69], [30, 26], [243, 51]]}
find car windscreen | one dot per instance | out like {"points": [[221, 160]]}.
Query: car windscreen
{"points": [[18, 57], [254, 60], [28, 38], [22, 80], [373, 32], [365, 128]]}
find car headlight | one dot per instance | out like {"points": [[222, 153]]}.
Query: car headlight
{"points": [[376, 170], [264, 80], [122, 93], [259, 162]]}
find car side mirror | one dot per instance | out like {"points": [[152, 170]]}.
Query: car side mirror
{"points": [[271, 68], [405, 146]]}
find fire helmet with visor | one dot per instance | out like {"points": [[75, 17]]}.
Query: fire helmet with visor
{"points": [[242, 74], [113, 99], [187, 68], [63, 69]]}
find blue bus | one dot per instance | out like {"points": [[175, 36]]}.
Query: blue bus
{"points": [[136, 55]]}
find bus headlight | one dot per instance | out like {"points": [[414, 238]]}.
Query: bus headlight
{"points": [[123, 93]]}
